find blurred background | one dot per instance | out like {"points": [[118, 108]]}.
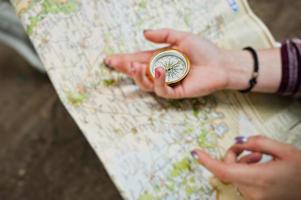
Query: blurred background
{"points": [[43, 155]]}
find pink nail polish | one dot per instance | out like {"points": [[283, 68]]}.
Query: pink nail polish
{"points": [[108, 62], [195, 155], [157, 73], [146, 30], [132, 71]]}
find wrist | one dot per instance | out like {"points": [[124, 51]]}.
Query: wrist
{"points": [[239, 66]]}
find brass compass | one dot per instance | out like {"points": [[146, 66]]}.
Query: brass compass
{"points": [[175, 63]]}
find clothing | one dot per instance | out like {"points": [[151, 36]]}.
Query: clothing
{"points": [[12, 34], [291, 68]]}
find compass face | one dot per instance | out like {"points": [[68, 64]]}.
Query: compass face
{"points": [[174, 62]]}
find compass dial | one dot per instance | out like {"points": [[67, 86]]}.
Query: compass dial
{"points": [[174, 62]]}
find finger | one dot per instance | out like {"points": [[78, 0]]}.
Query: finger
{"points": [[160, 87], [229, 173], [232, 155], [233, 152], [139, 75], [168, 36], [264, 145], [251, 158], [122, 62]]}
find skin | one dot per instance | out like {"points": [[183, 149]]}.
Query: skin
{"points": [[214, 69], [277, 179]]}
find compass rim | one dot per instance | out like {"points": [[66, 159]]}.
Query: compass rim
{"points": [[165, 50]]}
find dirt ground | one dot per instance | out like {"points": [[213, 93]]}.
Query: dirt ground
{"points": [[43, 155]]}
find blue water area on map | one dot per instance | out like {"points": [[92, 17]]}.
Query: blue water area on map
{"points": [[233, 4]]}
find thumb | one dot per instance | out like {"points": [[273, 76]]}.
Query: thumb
{"points": [[160, 86], [168, 36], [263, 145]]}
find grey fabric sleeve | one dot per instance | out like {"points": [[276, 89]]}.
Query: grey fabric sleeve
{"points": [[12, 34]]}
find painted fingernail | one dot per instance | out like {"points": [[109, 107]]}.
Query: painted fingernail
{"points": [[157, 73], [195, 155], [132, 71], [108, 62], [146, 30], [240, 139]]}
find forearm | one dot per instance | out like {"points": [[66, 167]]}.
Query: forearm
{"points": [[239, 65]]}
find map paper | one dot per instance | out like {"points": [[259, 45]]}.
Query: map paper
{"points": [[145, 141]]}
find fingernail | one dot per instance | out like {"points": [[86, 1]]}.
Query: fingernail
{"points": [[108, 62], [157, 73], [240, 139], [146, 30], [132, 71], [195, 155]]}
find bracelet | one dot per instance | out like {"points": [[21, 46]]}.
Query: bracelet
{"points": [[253, 80]]}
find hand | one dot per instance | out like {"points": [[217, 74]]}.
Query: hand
{"points": [[274, 180], [212, 68], [207, 73]]}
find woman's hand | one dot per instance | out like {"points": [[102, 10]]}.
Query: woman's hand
{"points": [[209, 71], [212, 68], [277, 179]]}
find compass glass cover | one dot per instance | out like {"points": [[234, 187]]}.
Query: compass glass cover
{"points": [[174, 63]]}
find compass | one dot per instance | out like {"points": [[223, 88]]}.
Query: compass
{"points": [[175, 63]]}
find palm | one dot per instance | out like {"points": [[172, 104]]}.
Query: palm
{"points": [[201, 80], [206, 74]]}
